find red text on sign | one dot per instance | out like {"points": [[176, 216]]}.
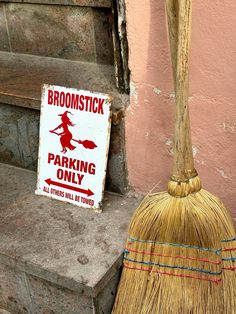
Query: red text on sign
{"points": [[72, 163], [69, 176], [76, 101]]}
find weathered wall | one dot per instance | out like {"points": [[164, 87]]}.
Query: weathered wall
{"points": [[149, 121]]}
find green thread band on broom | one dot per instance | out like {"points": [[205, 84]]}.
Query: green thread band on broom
{"points": [[177, 244], [216, 281], [229, 240], [174, 267]]}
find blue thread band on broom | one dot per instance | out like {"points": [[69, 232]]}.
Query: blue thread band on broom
{"points": [[216, 281], [229, 240], [174, 266], [129, 250], [229, 262], [217, 251], [229, 259]]}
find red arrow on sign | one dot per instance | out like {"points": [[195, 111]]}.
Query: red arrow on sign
{"points": [[69, 187]]}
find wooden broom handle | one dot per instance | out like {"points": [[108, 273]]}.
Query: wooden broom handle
{"points": [[172, 19], [179, 22]]}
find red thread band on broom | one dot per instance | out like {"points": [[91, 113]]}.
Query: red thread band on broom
{"points": [[174, 256], [229, 268], [216, 281], [228, 250]]}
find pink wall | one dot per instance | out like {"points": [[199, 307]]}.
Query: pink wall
{"points": [[149, 120]]}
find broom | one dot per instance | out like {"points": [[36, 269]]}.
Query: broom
{"points": [[173, 256]]}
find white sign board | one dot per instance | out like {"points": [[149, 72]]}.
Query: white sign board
{"points": [[74, 140]]}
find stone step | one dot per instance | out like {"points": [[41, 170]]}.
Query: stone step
{"points": [[56, 257], [80, 32], [86, 3], [21, 79]]}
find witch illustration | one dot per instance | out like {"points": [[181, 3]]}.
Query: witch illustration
{"points": [[66, 136]]}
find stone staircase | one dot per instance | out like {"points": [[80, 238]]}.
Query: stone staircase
{"points": [[55, 257]]}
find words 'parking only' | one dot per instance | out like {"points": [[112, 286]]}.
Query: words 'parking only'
{"points": [[74, 141]]}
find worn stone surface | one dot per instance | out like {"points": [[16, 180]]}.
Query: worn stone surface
{"points": [[50, 298], [103, 302], [53, 31], [103, 20], [14, 295], [23, 293], [22, 76], [4, 312], [75, 33], [91, 3], [4, 42], [19, 136], [45, 237]]}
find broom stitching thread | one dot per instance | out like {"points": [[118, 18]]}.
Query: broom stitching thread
{"points": [[229, 259], [229, 240], [173, 256], [128, 250], [177, 244], [176, 275], [173, 266], [186, 180], [227, 250], [229, 268]]}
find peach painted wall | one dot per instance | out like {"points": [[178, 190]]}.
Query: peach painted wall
{"points": [[149, 120]]}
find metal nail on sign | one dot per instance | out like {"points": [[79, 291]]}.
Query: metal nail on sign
{"points": [[74, 140]]}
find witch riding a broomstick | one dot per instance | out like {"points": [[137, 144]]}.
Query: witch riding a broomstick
{"points": [[66, 136]]}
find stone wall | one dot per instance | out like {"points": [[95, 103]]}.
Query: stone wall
{"points": [[23, 293], [67, 32], [47, 42]]}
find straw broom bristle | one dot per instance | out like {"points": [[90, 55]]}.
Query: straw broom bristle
{"points": [[229, 274], [173, 257], [180, 254]]}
